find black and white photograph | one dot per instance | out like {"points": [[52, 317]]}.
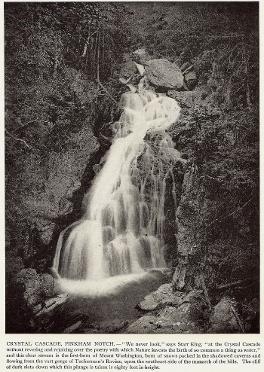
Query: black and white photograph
{"points": [[131, 167]]}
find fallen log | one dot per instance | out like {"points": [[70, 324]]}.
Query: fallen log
{"points": [[236, 283]]}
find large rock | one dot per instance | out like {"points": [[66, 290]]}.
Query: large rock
{"points": [[190, 216], [187, 314], [164, 74], [190, 76], [129, 73], [224, 318], [105, 326], [33, 288], [141, 56], [162, 297]]}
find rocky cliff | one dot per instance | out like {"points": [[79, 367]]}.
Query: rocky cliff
{"points": [[61, 101]]}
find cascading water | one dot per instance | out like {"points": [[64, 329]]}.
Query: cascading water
{"points": [[122, 230]]}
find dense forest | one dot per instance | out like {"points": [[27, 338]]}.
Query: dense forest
{"points": [[62, 67]]}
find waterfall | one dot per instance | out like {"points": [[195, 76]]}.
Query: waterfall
{"points": [[122, 230]]}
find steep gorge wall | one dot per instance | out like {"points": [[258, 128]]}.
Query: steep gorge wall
{"points": [[217, 216]]}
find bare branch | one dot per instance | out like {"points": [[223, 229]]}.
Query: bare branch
{"points": [[112, 98], [239, 322]]}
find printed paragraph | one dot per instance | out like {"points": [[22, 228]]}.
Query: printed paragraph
{"points": [[127, 355]]}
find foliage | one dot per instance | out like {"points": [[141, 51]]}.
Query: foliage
{"points": [[62, 61], [55, 56], [218, 128]]}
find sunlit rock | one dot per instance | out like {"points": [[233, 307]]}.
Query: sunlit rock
{"points": [[164, 74]]}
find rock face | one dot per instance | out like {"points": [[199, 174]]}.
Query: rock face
{"points": [[171, 312], [129, 73], [192, 216], [160, 298], [189, 241], [34, 288], [141, 56], [58, 179], [190, 76], [163, 74], [42, 184], [224, 318], [43, 196], [38, 303]]}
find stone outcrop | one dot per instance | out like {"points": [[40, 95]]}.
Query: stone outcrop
{"points": [[189, 239], [163, 296], [141, 56], [224, 318], [190, 76], [172, 312], [34, 288], [129, 73], [43, 182], [164, 74]]}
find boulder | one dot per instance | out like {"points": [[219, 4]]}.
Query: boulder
{"points": [[141, 56], [190, 76], [224, 318], [108, 326], [145, 324], [73, 328], [45, 230], [129, 73], [175, 313], [34, 288], [164, 74], [162, 297], [190, 79]]}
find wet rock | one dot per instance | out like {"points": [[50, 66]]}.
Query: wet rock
{"points": [[168, 320], [173, 313], [145, 324], [162, 297], [49, 306], [164, 74], [223, 318], [72, 328], [149, 303], [111, 326], [166, 272], [129, 73]]}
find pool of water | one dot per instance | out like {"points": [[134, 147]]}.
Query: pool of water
{"points": [[120, 304]]}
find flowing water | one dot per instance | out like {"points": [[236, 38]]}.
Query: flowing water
{"points": [[122, 230]]}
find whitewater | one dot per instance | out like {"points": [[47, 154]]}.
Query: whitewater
{"points": [[122, 231]]}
